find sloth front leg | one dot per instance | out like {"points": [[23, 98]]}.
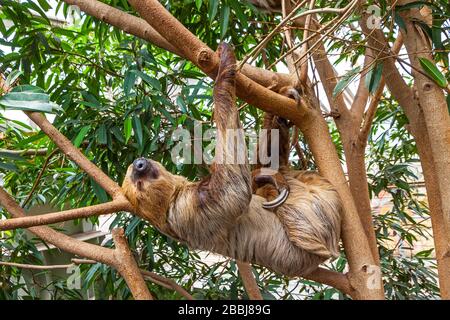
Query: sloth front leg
{"points": [[226, 194]]}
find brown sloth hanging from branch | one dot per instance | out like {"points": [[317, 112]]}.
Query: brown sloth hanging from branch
{"points": [[221, 214]]}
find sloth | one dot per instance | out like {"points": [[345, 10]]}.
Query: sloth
{"points": [[221, 213]]}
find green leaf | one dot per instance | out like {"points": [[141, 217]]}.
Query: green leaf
{"points": [[198, 4], [137, 128], [127, 129], [27, 88], [345, 80], [431, 69], [8, 166], [212, 9], [10, 155], [102, 138], [44, 4], [224, 18], [132, 225], [28, 98], [128, 83], [80, 136], [424, 253], [236, 5], [91, 100], [399, 21], [148, 79], [100, 193], [12, 77], [373, 77]]}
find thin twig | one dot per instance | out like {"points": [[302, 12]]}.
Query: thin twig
{"points": [[41, 173]]}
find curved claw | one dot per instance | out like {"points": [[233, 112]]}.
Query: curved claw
{"points": [[278, 201]]}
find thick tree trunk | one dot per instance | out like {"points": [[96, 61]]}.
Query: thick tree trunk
{"points": [[441, 237], [412, 107], [364, 274], [348, 124], [357, 178], [432, 102]]}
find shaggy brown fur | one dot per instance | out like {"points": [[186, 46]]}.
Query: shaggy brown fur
{"points": [[221, 215]]}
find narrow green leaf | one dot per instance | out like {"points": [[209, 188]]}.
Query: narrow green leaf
{"points": [[431, 69], [12, 77], [127, 129], [148, 79], [80, 136], [167, 115], [198, 4], [399, 21], [373, 77], [28, 101], [91, 100], [102, 138], [2, 28], [10, 155], [8, 166], [100, 193], [44, 5], [132, 225], [236, 5], [137, 128], [212, 10], [345, 80], [128, 83], [28, 88], [224, 18]]}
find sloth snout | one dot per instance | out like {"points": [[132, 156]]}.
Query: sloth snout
{"points": [[140, 166]]}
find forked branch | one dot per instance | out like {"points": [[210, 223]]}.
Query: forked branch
{"points": [[115, 258]]}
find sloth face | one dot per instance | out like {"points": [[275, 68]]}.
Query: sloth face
{"points": [[149, 188]]}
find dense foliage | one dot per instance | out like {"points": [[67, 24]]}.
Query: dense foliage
{"points": [[120, 97]]}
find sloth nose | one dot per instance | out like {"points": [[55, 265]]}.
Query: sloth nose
{"points": [[140, 165]]}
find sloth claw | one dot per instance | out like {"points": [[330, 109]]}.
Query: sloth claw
{"points": [[278, 201]]}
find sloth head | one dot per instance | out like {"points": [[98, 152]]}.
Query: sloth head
{"points": [[150, 188]]}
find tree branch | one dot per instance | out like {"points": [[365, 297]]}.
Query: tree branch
{"points": [[60, 216], [167, 283], [124, 21], [114, 258], [42, 267], [362, 93], [250, 285], [370, 113], [332, 278], [127, 267], [27, 152], [326, 74], [151, 276], [394, 80]]}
